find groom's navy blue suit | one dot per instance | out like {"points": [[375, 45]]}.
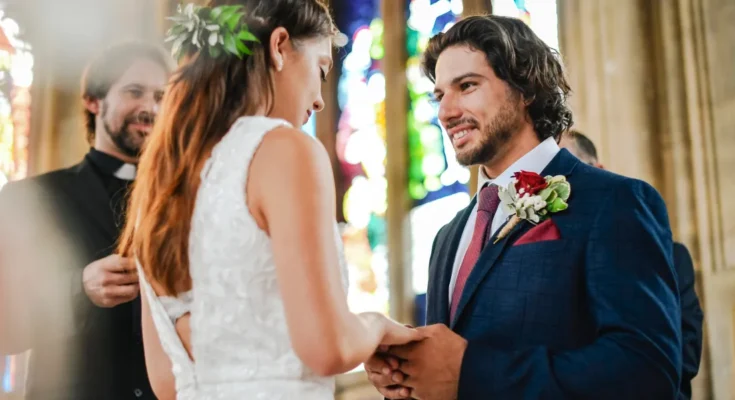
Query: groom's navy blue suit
{"points": [[593, 314]]}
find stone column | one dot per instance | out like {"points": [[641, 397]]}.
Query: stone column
{"points": [[399, 202], [654, 87]]}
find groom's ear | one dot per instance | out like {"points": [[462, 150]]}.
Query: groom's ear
{"points": [[527, 101]]}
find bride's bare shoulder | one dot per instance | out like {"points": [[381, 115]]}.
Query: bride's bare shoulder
{"points": [[286, 146], [287, 165]]}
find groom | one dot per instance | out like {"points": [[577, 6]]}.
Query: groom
{"points": [[583, 304]]}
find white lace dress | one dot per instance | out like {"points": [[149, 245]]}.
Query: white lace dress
{"points": [[240, 339]]}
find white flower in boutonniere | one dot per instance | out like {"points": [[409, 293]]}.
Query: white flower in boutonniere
{"points": [[533, 198]]}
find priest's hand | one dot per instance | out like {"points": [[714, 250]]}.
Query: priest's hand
{"points": [[110, 281]]}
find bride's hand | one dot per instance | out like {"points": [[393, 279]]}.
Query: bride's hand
{"points": [[397, 334]]}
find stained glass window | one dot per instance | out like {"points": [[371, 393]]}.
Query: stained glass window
{"points": [[361, 153], [540, 15], [16, 76], [437, 183]]}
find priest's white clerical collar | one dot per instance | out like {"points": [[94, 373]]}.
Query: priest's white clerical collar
{"points": [[126, 172]]}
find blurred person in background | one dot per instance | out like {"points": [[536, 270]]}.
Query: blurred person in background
{"points": [[691, 313], [63, 293]]}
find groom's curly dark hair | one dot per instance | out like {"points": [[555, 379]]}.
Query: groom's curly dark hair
{"points": [[518, 57]]}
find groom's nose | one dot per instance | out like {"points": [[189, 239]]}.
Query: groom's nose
{"points": [[448, 110]]}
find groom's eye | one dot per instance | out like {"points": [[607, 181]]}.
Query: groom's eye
{"points": [[466, 85]]}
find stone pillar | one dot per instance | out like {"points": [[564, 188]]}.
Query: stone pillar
{"points": [[605, 47], [654, 88], [399, 202]]}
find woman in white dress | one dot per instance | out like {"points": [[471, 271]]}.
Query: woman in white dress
{"points": [[232, 218]]}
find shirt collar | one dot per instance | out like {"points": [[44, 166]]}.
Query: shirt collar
{"points": [[533, 161], [109, 165]]}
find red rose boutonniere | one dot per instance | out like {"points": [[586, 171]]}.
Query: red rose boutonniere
{"points": [[529, 183], [533, 197]]}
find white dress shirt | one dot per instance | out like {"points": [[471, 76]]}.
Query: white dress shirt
{"points": [[533, 161]]}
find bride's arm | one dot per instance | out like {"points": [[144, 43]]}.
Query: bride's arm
{"points": [[291, 194], [157, 362]]}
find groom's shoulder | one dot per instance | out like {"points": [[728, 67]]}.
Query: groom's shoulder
{"points": [[593, 185]]}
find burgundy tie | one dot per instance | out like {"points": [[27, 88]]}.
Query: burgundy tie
{"points": [[488, 202]]}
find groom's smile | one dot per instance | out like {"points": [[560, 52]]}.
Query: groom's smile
{"points": [[461, 132]]}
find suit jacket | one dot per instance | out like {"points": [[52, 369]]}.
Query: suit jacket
{"points": [[691, 319], [79, 350], [592, 314]]}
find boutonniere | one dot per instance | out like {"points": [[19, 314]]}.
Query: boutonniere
{"points": [[533, 197]]}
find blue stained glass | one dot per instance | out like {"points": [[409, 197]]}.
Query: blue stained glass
{"points": [[360, 149], [442, 21], [352, 15]]}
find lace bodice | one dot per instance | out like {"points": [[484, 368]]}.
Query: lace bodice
{"points": [[240, 339]]}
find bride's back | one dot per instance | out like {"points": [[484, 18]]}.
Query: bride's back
{"points": [[239, 331]]}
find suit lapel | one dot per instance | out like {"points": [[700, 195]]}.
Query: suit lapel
{"points": [[438, 300], [90, 195], [489, 256], [562, 164]]}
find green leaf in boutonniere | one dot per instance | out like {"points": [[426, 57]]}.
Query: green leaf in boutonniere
{"points": [[557, 205]]}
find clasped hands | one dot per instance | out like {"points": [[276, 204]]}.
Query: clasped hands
{"points": [[426, 369]]}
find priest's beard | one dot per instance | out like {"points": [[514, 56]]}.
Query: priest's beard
{"points": [[125, 140]]}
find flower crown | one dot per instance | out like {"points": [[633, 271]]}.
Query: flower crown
{"points": [[220, 30]]}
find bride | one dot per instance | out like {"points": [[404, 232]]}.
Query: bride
{"points": [[232, 218]]}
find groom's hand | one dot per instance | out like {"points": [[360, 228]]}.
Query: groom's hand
{"points": [[383, 373], [431, 366]]}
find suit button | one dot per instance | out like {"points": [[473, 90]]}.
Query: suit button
{"points": [[138, 393]]}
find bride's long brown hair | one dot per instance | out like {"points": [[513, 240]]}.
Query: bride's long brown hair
{"points": [[204, 98]]}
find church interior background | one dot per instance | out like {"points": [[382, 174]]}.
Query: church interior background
{"points": [[653, 86]]}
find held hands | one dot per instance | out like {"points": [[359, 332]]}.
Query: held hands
{"points": [[428, 369], [111, 281], [398, 334]]}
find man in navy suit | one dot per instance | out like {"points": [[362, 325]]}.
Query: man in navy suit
{"points": [[691, 313], [582, 305]]}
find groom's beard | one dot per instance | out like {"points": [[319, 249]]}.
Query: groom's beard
{"points": [[494, 137]]}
